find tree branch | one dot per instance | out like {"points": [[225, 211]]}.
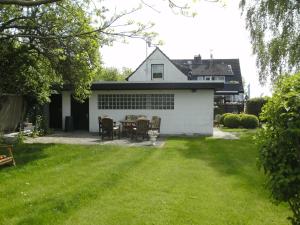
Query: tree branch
{"points": [[27, 2]]}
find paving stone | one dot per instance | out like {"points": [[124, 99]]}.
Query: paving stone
{"points": [[86, 138]]}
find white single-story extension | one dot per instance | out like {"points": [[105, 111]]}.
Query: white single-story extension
{"points": [[156, 88]]}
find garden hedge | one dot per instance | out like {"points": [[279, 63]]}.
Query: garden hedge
{"points": [[248, 121], [232, 121], [223, 116]]}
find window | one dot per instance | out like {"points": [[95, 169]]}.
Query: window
{"points": [[136, 101], [157, 71], [207, 77], [222, 78], [200, 78]]}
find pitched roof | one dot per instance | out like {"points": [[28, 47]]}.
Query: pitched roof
{"points": [[230, 68]]}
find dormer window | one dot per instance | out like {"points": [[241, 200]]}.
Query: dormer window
{"points": [[157, 71], [221, 78]]}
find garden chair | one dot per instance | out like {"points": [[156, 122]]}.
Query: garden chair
{"points": [[7, 159], [109, 128], [141, 129], [155, 123], [127, 127], [141, 117], [131, 117]]}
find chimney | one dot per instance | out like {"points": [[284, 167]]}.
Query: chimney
{"points": [[211, 60], [197, 59]]}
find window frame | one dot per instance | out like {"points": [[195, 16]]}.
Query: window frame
{"points": [[208, 78], [163, 71], [218, 78], [136, 101]]}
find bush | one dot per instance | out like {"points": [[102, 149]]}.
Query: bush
{"points": [[278, 141], [248, 121], [232, 121], [223, 117], [254, 105]]}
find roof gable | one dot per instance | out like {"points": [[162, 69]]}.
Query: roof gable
{"points": [[157, 56]]}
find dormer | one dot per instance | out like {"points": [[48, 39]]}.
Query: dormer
{"points": [[157, 67]]}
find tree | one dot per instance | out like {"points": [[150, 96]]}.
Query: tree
{"points": [[31, 63], [275, 35], [60, 39], [254, 105], [57, 43], [27, 2], [279, 143], [112, 74]]}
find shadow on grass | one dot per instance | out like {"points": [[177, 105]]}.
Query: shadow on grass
{"points": [[27, 153]]}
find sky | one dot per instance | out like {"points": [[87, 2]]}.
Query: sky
{"points": [[216, 29]]}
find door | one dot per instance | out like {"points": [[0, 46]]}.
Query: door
{"points": [[55, 111], [80, 114]]}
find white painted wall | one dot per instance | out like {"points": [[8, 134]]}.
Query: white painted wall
{"points": [[66, 106], [192, 114], [171, 73]]}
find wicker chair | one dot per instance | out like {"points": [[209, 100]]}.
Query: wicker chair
{"points": [[109, 128], [141, 129], [155, 123]]}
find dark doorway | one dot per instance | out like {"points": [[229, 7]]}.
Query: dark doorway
{"points": [[55, 111], [80, 114]]}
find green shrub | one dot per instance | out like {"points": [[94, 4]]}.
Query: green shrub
{"points": [[254, 105], [248, 121], [223, 117], [232, 121], [278, 141], [20, 138]]}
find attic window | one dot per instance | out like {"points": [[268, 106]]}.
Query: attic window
{"points": [[157, 71], [230, 69]]}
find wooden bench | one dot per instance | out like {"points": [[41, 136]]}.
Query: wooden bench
{"points": [[7, 160]]}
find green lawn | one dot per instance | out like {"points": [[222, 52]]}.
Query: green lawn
{"points": [[189, 181]]}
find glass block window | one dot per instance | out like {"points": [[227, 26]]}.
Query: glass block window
{"points": [[157, 71], [136, 101]]}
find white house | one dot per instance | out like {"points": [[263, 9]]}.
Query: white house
{"points": [[156, 88]]}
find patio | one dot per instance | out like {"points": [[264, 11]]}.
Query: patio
{"points": [[86, 138]]}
